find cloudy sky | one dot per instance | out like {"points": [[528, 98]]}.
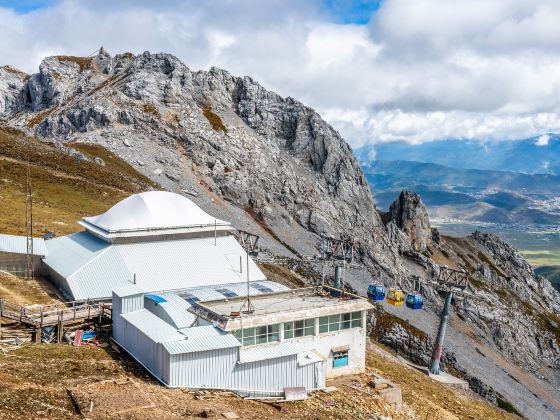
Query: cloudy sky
{"points": [[379, 71]]}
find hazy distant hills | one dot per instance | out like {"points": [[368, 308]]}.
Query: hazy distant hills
{"points": [[531, 156], [469, 194]]}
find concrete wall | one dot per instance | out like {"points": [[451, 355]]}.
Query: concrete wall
{"points": [[16, 264], [354, 338]]}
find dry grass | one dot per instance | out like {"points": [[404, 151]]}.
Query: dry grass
{"points": [[39, 117], [26, 292], [82, 62], [282, 275], [214, 119], [430, 399], [151, 109], [32, 392], [65, 189], [13, 70]]}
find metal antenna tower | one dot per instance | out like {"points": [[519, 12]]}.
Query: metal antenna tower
{"points": [[29, 224]]}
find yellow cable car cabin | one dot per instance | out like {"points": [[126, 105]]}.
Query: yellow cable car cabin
{"points": [[396, 297]]}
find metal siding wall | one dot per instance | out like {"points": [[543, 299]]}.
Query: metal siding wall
{"points": [[203, 369], [132, 303]]}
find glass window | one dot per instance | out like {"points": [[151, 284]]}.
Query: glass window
{"points": [[309, 327], [299, 328], [334, 323], [356, 319], [340, 322], [346, 321], [324, 324], [259, 335]]}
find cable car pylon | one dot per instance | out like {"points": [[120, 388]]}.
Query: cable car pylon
{"points": [[449, 280]]}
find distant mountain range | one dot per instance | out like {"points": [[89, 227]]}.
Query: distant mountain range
{"points": [[537, 155], [469, 194]]}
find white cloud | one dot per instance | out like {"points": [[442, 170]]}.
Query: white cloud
{"points": [[543, 140], [421, 70]]}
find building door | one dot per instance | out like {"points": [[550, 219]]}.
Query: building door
{"points": [[319, 375]]}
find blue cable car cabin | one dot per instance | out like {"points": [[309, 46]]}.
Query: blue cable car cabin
{"points": [[414, 301], [376, 292]]}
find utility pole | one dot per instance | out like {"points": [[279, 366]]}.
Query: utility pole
{"points": [[29, 272]]}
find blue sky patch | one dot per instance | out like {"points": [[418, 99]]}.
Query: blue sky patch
{"points": [[352, 11], [25, 6]]}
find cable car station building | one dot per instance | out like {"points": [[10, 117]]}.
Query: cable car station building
{"points": [[180, 282], [291, 339]]}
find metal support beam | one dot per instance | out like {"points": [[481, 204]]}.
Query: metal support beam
{"points": [[438, 347]]}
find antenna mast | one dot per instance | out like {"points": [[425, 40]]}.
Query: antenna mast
{"points": [[29, 224]]}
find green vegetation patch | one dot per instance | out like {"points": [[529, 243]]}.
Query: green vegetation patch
{"points": [[214, 119], [506, 405]]}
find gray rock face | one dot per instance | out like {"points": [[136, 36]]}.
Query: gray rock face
{"points": [[228, 143], [409, 214]]}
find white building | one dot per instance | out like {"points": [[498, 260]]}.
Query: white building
{"points": [[157, 240], [292, 338]]}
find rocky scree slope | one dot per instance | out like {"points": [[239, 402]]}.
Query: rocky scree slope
{"points": [[275, 167]]}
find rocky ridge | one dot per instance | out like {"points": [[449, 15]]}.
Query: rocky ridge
{"points": [[279, 169]]}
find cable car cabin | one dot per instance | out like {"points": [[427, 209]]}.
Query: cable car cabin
{"points": [[376, 292], [414, 301], [395, 297]]}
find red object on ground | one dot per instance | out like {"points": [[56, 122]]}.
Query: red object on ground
{"points": [[78, 338]]}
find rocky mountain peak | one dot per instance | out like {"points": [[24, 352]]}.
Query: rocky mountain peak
{"points": [[409, 214]]}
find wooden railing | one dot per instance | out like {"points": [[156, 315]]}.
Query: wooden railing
{"points": [[46, 315]]}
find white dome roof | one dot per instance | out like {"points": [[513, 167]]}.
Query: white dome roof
{"points": [[153, 210]]}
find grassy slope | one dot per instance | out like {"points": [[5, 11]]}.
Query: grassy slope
{"points": [[31, 392], [64, 188]]}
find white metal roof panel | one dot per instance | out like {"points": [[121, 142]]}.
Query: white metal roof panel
{"points": [[127, 290], [67, 254], [153, 326], [186, 263], [152, 210], [177, 309], [269, 351], [100, 276], [308, 357], [18, 245], [201, 339]]}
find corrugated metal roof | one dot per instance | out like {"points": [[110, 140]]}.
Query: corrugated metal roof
{"points": [[129, 290], [93, 268], [18, 245], [201, 339], [67, 254], [177, 309], [179, 264], [97, 278], [307, 357], [153, 326], [270, 351]]}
